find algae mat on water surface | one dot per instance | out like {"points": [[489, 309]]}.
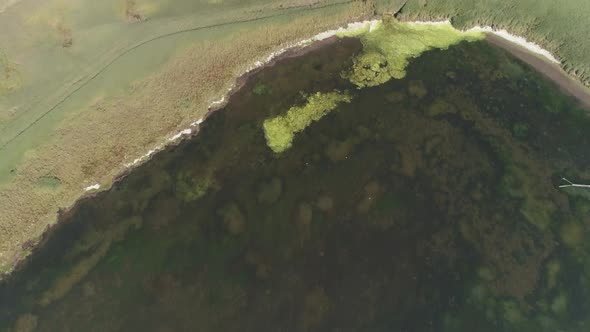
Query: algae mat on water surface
{"points": [[427, 203], [388, 49]]}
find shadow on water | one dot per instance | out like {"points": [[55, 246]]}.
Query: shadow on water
{"points": [[426, 204]]}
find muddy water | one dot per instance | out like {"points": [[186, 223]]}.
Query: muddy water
{"points": [[426, 204]]}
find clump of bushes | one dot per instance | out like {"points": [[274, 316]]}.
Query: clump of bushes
{"points": [[280, 131]]}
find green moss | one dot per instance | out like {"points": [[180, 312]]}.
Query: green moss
{"points": [[280, 131], [486, 274], [441, 107], [190, 188], [511, 312], [478, 294], [371, 69], [559, 304], [388, 49], [520, 130], [581, 206], [519, 184], [260, 89]]}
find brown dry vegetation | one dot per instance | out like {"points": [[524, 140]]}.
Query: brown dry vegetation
{"points": [[94, 144]]}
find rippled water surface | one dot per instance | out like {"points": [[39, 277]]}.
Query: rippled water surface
{"points": [[429, 203]]}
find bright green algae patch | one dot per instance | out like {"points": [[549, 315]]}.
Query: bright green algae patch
{"points": [[388, 49], [280, 131]]}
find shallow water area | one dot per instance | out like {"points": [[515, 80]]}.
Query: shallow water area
{"points": [[429, 203]]}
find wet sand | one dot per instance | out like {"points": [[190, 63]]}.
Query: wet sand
{"points": [[552, 71]]}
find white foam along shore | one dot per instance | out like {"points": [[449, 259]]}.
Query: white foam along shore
{"points": [[521, 41], [350, 29], [95, 186], [504, 34]]}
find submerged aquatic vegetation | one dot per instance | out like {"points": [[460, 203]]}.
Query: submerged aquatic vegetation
{"points": [[388, 49], [152, 97], [82, 267], [260, 89], [233, 218], [190, 188], [419, 167], [280, 131], [270, 191]]}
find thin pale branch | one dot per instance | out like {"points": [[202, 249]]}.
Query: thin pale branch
{"points": [[570, 184]]}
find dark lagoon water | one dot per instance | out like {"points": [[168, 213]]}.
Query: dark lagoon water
{"points": [[429, 203]]}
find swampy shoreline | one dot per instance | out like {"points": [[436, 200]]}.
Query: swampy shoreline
{"points": [[437, 192], [64, 215], [553, 72], [550, 70]]}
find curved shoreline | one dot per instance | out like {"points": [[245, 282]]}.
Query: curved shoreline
{"points": [[550, 70], [296, 49], [542, 64], [93, 191], [539, 58], [535, 56]]}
